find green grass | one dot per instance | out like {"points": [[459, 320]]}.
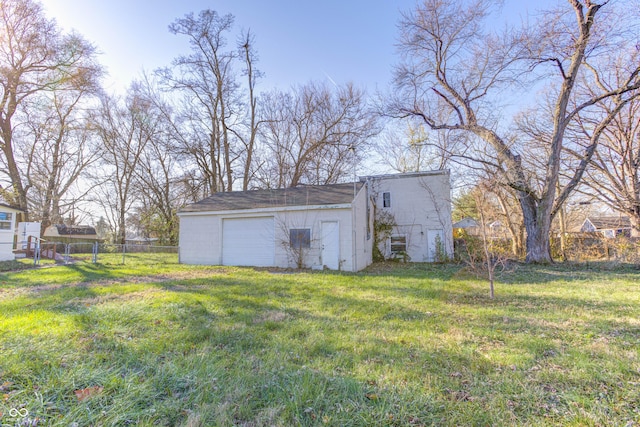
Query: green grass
{"points": [[158, 343]]}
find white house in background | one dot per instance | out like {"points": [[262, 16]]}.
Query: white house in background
{"points": [[608, 226], [7, 231], [329, 226]]}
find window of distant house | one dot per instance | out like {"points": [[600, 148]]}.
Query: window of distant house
{"points": [[386, 200], [398, 244], [5, 220], [300, 238]]}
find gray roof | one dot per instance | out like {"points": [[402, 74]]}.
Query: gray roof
{"points": [[465, 223], [303, 195], [71, 230], [610, 222]]}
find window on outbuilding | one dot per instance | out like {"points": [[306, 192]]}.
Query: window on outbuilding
{"points": [[300, 238], [5, 220], [399, 244], [386, 199]]}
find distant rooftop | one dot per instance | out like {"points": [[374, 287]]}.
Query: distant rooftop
{"points": [[69, 230], [610, 222]]}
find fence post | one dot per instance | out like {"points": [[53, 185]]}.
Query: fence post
{"points": [[94, 253], [67, 252], [36, 253], [124, 250]]}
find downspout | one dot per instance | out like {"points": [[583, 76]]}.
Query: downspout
{"points": [[354, 249]]}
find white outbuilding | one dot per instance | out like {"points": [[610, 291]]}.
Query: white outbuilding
{"points": [[328, 226], [8, 223]]}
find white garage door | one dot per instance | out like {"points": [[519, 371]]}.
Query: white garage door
{"points": [[248, 241]]}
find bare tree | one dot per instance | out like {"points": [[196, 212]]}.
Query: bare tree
{"points": [[218, 123], [491, 259], [499, 204], [455, 72], [413, 149], [313, 134], [35, 57], [126, 128], [615, 173], [159, 181], [56, 150]]}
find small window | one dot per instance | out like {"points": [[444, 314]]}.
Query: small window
{"points": [[398, 244], [300, 238], [5, 220], [386, 199]]}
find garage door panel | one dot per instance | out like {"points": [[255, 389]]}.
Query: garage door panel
{"points": [[248, 241]]}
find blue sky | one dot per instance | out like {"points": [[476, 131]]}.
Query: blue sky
{"points": [[297, 41]]}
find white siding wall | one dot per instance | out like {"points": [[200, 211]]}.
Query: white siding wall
{"points": [[421, 206], [363, 230], [200, 235], [313, 219], [200, 239], [420, 203]]}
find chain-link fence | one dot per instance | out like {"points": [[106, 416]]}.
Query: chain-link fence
{"points": [[104, 253]]}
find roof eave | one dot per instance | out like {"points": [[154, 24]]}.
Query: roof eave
{"points": [[267, 210]]}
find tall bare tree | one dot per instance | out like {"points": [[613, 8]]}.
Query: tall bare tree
{"points": [[126, 128], [454, 73], [615, 173], [159, 188], [313, 134], [56, 150], [35, 57], [219, 109], [413, 148]]}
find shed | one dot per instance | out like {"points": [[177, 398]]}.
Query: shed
{"points": [[70, 233], [310, 226], [328, 226], [8, 223]]}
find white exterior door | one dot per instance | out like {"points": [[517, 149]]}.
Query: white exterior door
{"points": [[248, 241], [435, 242], [331, 245]]}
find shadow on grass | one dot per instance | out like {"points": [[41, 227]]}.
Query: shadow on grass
{"points": [[246, 347]]}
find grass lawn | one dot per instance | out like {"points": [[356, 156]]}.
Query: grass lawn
{"points": [[167, 344]]}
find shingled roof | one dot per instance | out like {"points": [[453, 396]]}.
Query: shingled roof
{"points": [[610, 222], [303, 195], [63, 230]]}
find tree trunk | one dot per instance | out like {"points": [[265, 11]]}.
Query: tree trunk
{"points": [[635, 224], [19, 191], [537, 222]]}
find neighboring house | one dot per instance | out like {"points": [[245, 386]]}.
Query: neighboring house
{"points": [[467, 224], [608, 226], [328, 226], [8, 216], [62, 233]]}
